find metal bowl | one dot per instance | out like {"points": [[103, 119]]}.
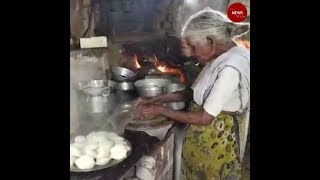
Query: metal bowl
{"points": [[92, 84], [151, 91], [98, 83], [175, 87], [171, 88], [94, 87], [124, 86], [96, 91], [122, 74], [151, 87], [177, 105]]}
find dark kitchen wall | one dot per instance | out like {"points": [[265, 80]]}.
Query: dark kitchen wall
{"points": [[148, 17], [118, 18], [82, 20], [141, 18]]}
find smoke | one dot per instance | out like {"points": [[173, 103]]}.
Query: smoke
{"points": [[83, 68], [86, 66], [74, 116]]}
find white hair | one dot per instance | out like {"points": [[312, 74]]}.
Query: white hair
{"points": [[209, 22]]}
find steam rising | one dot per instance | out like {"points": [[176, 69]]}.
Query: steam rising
{"points": [[83, 68]]}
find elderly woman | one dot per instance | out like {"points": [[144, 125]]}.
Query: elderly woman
{"points": [[219, 113]]}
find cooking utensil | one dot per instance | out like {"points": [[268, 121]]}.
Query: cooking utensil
{"points": [[95, 85], [99, 102], [111, 84], [96, 95], [151, 87], [122, 74], [124, 86], [94, 91], [171, 88], [126, 106], [83, 85], [177, 105], [174, 87], [110, 164], [98, 83]]}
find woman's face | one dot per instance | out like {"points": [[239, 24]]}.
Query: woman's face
{"points": [[203, 51]]}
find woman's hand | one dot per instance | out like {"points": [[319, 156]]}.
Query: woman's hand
{"points": [[141, 104], [149, 111], [148, 100]]}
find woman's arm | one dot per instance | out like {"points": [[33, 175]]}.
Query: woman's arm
{"points": [[201, 118]]}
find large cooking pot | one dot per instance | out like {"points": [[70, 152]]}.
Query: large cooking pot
{"points": [[124, 86], [171, 88], [97, 95], [99, 103], [96, 85], [151, 87]]}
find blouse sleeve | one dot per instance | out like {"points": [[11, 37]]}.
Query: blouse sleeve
{"points": [[222, 90]]}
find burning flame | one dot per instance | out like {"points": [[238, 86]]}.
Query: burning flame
{"points": [[163, 68], [136, 63]]}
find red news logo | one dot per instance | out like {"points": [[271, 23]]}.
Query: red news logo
{"points": [[237, 12]]}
